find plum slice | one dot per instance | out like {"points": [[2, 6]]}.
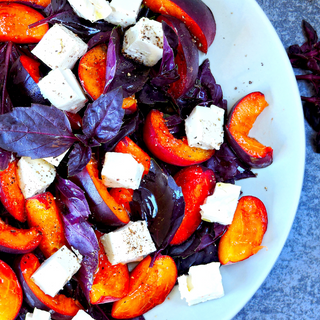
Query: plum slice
{"points": [[18, 241], [149, 286], [43, 213], [240, 121], [244, 236], [103, 206], [15, 19], [10, 293], [194, 13], [196, 183], [166, 147], [92, 75], [61, 307], [111, 282], [10, 193], [187, 57]]}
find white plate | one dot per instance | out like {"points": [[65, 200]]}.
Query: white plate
{"points": [[248, 56]]}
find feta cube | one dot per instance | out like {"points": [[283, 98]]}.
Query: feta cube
{"points": [[55, 161], [82, 315], [56, 271], [92, 10], [129, 243], [144, 42], [221, 205], [38, 315], [121, 170], [203, 283], [35, 176], [63, 90], [60, 48], [204, 127], [124, 13]]}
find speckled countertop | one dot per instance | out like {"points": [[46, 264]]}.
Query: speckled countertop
{"points": [[292, 289]]}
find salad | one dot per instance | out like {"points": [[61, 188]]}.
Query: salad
{"points": [[106, 127]]}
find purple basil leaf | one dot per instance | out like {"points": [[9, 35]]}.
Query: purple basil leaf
{"points": [[205, 235], [58, 5], [150, 95], [313, 78], [82, 237], [79, 233], [111, 61], [23, 90], [129, 126], [99, 38], [171, 36], [310, 33], [294, 49], [205, 92], [128, 75], [89, 142], [311, 109], [79, 157], [102, 119], [74, 198], [168, 71], [227, 167], [37, 132], [5, 157], [61, 12], [207, 255], [313, 66], [170, 204], [5, 55]]}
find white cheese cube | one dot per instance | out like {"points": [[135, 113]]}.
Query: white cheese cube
{"points": [[56, 271], [124, 13], [144, 42], [63, 90], [38, 315], [82, 315], [129, 243], [204, 127], [92, 10], [60, 48], [203, 283], [55, 161], [121, 170], [35, 176], [221, 205]]}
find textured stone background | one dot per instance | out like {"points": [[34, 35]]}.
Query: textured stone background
{"points": [[292, 289]]}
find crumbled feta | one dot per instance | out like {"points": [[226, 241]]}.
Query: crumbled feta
{"points": [[63, 90], [82, 315], [203, 283], [129, 243], [121, 170], [204, 127], [38, 315], [55, 161], [144, 42], [92, 10], [56, 271], [221, 205], [124, 13], [35, 176], [60, 48]]}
